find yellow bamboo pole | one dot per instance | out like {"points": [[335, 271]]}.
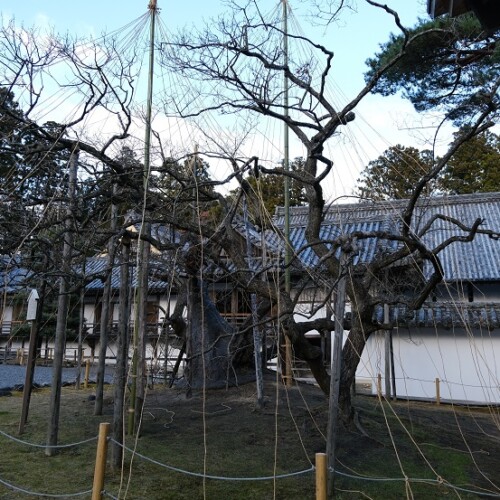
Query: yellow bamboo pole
{"points": [[321, 476], [87, 374], [100, 461], [288, 378]]}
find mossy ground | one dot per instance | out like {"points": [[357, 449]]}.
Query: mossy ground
{"points": [[223, 433]]}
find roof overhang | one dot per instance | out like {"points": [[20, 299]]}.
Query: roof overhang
{"points": [[486, 11]]}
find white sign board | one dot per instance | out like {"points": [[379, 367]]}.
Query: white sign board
{"points": [[32, 305]]}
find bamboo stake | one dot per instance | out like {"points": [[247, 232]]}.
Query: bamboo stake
{"points": [[87, 374], [100, 461], [321, 476], [438, 391]]}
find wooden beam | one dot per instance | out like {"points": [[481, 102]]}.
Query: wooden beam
{"points": [[485, 10], [436, 8]]}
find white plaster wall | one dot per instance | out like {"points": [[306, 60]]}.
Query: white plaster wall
{"points": [[482, 292], [468, 365], [6, 319], [487, 292], [155, 361], [88, 313], [166, 305], [116, 311]]}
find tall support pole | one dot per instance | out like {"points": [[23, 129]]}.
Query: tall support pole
{"points": [[286, 166], [393, 369], [62, 312], [137, 389], [141, 321], [30, 367], [336, 367], [106, 312], [34, 352], [387, 344], [123, 340], [257, 341], [191, 289], [81, 327]]}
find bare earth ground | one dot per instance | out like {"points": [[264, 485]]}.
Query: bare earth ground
{"points": [[223, 433]]}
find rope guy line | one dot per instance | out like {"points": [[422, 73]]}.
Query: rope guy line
{"points": [[57, 446], [209, 476]]}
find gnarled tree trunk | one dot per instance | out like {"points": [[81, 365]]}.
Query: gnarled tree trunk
{"points": [[209, 343]]}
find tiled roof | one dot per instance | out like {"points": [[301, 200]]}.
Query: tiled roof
{"points": [[13, 278], [445, 315], [478, 260], [95, 268]]}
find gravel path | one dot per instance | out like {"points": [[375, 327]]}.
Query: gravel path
{"points": [[13, 375]]}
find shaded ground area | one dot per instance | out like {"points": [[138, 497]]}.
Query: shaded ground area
{"points": [[222, 433], [13, 376]]}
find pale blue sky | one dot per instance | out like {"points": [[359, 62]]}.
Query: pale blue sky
{"points": [[353, 40]]}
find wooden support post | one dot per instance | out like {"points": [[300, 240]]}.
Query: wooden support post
{"points": [[286, 180], [288, 363], [62, 306], [335, 375], [30, 371], [438, 392], [257, 341], [387, 371], [321, 476], [100, 461], [379, 385], [387, 357], [87, 374]]}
